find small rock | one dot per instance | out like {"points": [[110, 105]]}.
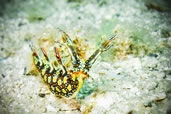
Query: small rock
{"points": [[42, 95], [3, 75], [160, 97], [153, 55]]}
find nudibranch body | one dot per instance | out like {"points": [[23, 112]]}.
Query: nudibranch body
{"points": [[65, 82]]}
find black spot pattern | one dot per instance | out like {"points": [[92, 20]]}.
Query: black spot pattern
{"points": [[73, 84]]}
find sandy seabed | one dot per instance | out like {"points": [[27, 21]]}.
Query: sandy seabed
{"points": [[133, 77]]}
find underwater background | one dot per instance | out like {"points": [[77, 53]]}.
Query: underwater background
{"points": [[132, 77]]}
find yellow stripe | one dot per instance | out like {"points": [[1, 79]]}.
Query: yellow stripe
{"points": [[45, 78], [58, 89], [73, 77], [69, 88], [65, 79], [63, 91], [49, 79], [59, 82], [54, 79], [43, 71]]}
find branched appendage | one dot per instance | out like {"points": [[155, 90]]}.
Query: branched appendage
{"points": [[44, 66], [74, 56], [104, 47], [60, 61]]}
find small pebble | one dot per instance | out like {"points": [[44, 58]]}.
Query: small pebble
{"points": [[3, 75], [41, 95]]}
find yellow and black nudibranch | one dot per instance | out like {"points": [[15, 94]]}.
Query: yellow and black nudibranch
{"points": [[61, 81]]}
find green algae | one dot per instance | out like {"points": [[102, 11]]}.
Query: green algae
{"points": [[87, 89]]}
